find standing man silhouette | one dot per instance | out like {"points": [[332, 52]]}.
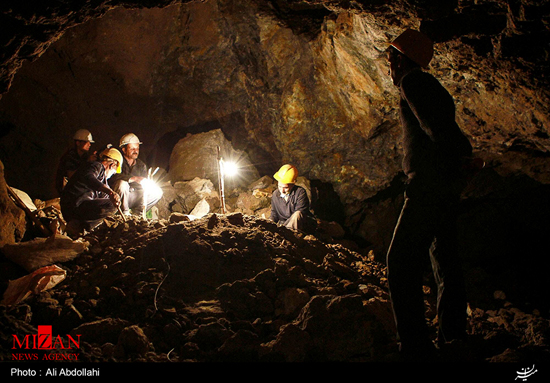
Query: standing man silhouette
{"points": [[434, 149]]}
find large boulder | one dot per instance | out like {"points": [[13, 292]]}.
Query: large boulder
{"points": [[196, 156]]}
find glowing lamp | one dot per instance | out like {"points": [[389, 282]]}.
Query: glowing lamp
{"points": [[224, 169]]}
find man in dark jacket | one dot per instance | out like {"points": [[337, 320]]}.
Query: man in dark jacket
{"points": [[87, 198], [77, 155], [136, 191], [433, 150], [289, 203]]}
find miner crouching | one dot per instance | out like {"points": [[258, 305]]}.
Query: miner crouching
{"points": [[289, 202], [87, 198]]}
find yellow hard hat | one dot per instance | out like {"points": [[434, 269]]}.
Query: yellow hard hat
{"points": [[416, 46], [287, 174], [113, 154]]}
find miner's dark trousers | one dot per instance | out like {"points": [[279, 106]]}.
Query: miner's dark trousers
{"points": [[426, 227], [90, 212]]}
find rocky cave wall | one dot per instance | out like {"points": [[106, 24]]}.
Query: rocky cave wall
{"points": [[286, 81], [301, 82], [188, 68]]}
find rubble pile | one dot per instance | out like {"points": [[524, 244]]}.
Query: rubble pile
{"points": [[238, 287]]}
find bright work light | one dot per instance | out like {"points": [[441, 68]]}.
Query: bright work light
{"points": [[151, 191], [224, 169], [230, 169]]}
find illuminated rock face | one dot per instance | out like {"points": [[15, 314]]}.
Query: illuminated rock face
{"points": [[196, 156], [301, 83]]}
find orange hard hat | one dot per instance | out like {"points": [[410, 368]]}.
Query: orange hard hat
{"points": [[416, 46]]}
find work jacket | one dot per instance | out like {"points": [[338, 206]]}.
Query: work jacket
{"points": [[281, 210], [85, 184], [139, 169], [69, 162], [433, 144]]}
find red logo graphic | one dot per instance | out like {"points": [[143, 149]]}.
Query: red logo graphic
{"points": [[45, 337], [45, 340]]}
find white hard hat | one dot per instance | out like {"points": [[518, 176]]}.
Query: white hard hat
{"points": [[129, 138], [83, 135]]}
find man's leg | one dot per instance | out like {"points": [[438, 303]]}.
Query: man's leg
{"points": [[135, 198], [296, 221], [153, 197], [122, 188], [407, 258], [448, 274], [90, 213], [140, 198]]}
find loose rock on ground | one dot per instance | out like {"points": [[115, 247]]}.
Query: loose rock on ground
{"points": [[240, 288]]}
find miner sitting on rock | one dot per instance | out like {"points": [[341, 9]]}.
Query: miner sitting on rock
{"points": [[289, 203], [87, 198], [137, 192]]}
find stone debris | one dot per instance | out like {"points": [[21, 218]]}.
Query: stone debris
{"points": [[240, 288]]}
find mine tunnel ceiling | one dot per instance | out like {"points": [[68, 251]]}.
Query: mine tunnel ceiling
{"points": [[286, 81]]}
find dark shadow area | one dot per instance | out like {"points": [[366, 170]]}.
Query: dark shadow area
{"points": [[326, 203], [503, 234], [371, 222], [302, 17]]}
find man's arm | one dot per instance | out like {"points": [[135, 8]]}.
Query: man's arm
{"points": [[429, 101], [434, 108], [302, 202], [274, 216], [117, 177], [91, 176]]}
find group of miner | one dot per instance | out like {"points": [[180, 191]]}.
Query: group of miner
{"points": [[93, 186], [436, 157]]}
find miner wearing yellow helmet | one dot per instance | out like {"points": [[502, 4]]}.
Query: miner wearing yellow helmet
{"points": [[87, 198], [434, 148], [289, 202]]}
